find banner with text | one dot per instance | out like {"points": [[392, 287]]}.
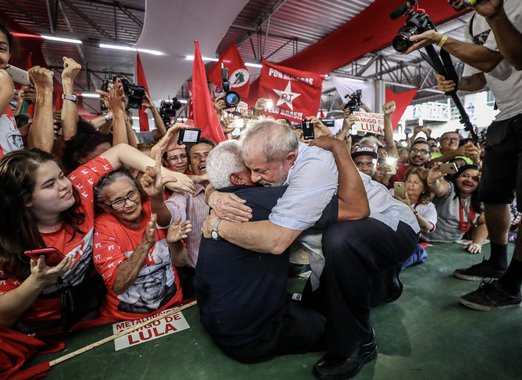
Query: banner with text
{"points": [[157, 329], [369, 122], [296, 94]]}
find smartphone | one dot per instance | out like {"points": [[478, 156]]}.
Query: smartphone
{"points": [[399, 188], [188, 136], [392, 163], [52, 255], [448, 168], [308, 130], [18, 75]]}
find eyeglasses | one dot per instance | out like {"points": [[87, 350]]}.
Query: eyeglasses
{"points": [[181, 157], [421, 151], [120, 203]]}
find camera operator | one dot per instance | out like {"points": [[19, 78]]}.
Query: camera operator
{"points": [[502, 147], [509, 38]]}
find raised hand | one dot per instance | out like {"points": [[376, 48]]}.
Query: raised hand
{"points": [[152, 180], [149, 236], [71, 68], [169, 141], [41, 79], [389, 108], [178, 230]]}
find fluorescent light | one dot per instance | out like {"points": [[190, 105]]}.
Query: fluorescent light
{"points": [[131, 48], [191, 58], [61, 39], [150, 51], [183, 101], [257, 65], [90, 95]]}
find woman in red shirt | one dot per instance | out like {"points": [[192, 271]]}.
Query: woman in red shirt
{"points": [[41, 207]]}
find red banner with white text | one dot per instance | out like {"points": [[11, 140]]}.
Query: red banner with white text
{"points": [[295, 94]]}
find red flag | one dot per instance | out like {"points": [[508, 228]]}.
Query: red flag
{"points": [[296, 94], [402, 100], [140, 74], [205, 117], [238, 75]]}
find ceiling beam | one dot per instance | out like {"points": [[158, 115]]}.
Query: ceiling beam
{"points": [[22, 10], [259, 21], [129, 14], [112, 3], [87, 19]]}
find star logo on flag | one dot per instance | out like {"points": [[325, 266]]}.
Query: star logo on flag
{"points": [[286, 96]]}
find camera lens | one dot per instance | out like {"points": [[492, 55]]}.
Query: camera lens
{"points": [[232, 99], [401, 43]]}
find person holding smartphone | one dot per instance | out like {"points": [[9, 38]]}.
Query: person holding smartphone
{"points": [[458, 208], [415, 193], [41, 207]]}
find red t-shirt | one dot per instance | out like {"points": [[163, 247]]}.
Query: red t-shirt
{"points": [[157, 286], [47, 306]]}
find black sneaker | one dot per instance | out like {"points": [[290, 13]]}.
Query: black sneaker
{"points": [[491, 296], [479, 272]]}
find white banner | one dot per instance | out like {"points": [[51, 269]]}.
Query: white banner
{"points": [[347, 86], [369, 122], [157, 329]]}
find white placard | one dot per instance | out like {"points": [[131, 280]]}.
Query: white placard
{"points": [[369, 122], [157, 329]]}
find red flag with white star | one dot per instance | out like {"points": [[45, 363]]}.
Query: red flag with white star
{"points": [[238, 75], [296, 94]]}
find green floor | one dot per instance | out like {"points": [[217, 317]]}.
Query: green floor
{"points": [[424, 335]]}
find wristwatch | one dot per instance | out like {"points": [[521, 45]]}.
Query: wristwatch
{"points": [[71, 97], [215, 232]]}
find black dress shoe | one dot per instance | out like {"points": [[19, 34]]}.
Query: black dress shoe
{"points": [[395, 286], [335, 368]]}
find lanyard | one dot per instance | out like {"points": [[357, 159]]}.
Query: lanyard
{"points": [[470, 215]]}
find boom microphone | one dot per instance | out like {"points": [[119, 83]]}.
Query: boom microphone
{"points": [[398, 12]]}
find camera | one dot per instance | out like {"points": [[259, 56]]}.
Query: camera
{"points": [[231, 98], [133, 92], [354, 101], [417, 22], [168, 109]]}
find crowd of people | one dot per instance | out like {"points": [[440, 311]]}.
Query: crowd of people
{"points": [[140, 228]]}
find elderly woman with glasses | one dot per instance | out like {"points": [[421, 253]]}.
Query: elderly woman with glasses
{"points": [[134, 251], [458, 208]]}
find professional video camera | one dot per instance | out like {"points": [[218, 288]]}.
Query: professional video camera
{"points": [[168, 109], [232, 98], [354, 101], [417, 22], [133, 92]]}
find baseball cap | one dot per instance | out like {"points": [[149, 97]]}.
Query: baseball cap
{"points": [[364, 150]]}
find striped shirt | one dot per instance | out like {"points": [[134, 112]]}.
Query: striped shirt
{"points": [[193, 208]]}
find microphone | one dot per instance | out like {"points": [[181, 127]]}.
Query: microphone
{"points": [[401, 10]]}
